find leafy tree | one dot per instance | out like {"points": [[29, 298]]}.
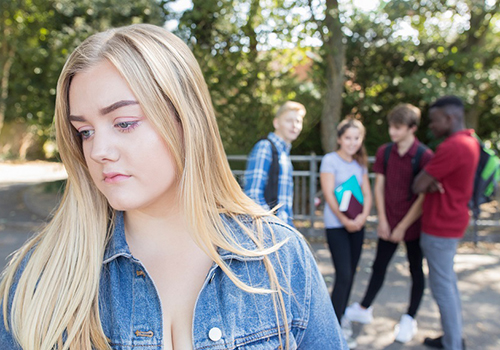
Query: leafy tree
{"points": [[248, 77], [334, 58], [37, 37], [446, 48]]}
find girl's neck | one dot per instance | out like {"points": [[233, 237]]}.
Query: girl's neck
{"points": [[342, 154], [169, 227]]}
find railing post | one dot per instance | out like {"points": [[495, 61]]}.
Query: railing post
{"points": [[312, 191]]}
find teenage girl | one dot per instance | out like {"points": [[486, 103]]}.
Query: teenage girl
{"points": [[345, 235]]}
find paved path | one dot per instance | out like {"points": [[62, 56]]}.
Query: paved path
{"points": [[24, 206], [478, 274]]}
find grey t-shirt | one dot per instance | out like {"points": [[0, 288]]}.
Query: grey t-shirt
{"points": [[342, 170]]}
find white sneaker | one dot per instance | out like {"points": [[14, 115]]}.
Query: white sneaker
{"points": [[359, 314], [406, 329], [351, 343], [346, 326]]}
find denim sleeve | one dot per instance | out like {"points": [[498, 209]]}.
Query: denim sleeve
{"points": [[257, 172], [6, 338], [323, 330]]}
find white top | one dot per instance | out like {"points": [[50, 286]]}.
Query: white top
{"points": [[342, 170]]}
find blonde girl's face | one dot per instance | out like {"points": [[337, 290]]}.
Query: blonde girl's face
{"points": [[350, 141], [127, 159]]}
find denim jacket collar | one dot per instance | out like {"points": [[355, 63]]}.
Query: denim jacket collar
{"points": [[118, 246]]}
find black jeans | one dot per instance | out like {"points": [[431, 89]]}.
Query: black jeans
{"points": [[385, 251], [345, 248]]}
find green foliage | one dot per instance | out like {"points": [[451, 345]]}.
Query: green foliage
{"points": [[247, 78], [257, 54], [403, 51], [445, 53], [42, 33]]}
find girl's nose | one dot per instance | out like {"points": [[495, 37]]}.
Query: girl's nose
{"points": [[103, 148]]}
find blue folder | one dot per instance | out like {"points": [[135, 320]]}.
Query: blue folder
{"points": [[352, 185]]}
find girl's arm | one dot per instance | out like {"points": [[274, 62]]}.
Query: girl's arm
{"points": [[367, 202]]}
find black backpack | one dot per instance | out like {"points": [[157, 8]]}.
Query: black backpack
{"points": [[415, 161], [486, 178], [271, 189]]}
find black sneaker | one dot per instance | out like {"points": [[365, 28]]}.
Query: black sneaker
{"points": [[437, 343]]}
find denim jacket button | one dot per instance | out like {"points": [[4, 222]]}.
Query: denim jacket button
{"points": [[215, 334]]}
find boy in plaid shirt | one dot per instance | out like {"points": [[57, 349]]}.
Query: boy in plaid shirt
{"points": [[270, 183]]}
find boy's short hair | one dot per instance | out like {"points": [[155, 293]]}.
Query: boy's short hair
{"points": [[446, 101], [291, 106], [404, 114]]}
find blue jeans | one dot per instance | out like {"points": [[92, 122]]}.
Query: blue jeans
{"points": [[440, 253]]}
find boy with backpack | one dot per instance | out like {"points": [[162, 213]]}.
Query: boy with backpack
{"points": [[268, 175], [396, 165], [448, 184]]}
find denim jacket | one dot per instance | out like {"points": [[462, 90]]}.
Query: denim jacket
{"points": [[225, 317]]}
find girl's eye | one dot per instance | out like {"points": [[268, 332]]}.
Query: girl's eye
{"points": [[85, 134], [126, 126]]}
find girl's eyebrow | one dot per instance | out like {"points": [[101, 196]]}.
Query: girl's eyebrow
{"points": [[105, 110], [117, 105]]}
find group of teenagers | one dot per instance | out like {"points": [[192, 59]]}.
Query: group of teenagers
{"points": [[421, 199], [155, 245]]}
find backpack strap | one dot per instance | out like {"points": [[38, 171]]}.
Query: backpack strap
{"points": [[387, 154], [271, 189], [415, 161]]}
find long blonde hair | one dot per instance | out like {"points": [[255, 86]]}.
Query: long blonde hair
{"points": [[56, 300]]}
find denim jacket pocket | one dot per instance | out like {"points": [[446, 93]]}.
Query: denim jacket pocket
{"points": [[272, 342]]}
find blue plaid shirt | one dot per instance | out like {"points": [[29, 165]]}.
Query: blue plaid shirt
{"points": [[256, 175]]}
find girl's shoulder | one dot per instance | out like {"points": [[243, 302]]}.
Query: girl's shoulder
{"points": [[331, 156], [269, 231], [329, 162]]}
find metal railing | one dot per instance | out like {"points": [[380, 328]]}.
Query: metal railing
{"points": [[307, 189], [306, 184]]}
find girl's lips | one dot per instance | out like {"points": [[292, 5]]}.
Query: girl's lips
{"points": [[115, 178]]}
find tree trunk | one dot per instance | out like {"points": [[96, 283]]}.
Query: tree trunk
{"points": [[4, 85], [334, 57]]}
